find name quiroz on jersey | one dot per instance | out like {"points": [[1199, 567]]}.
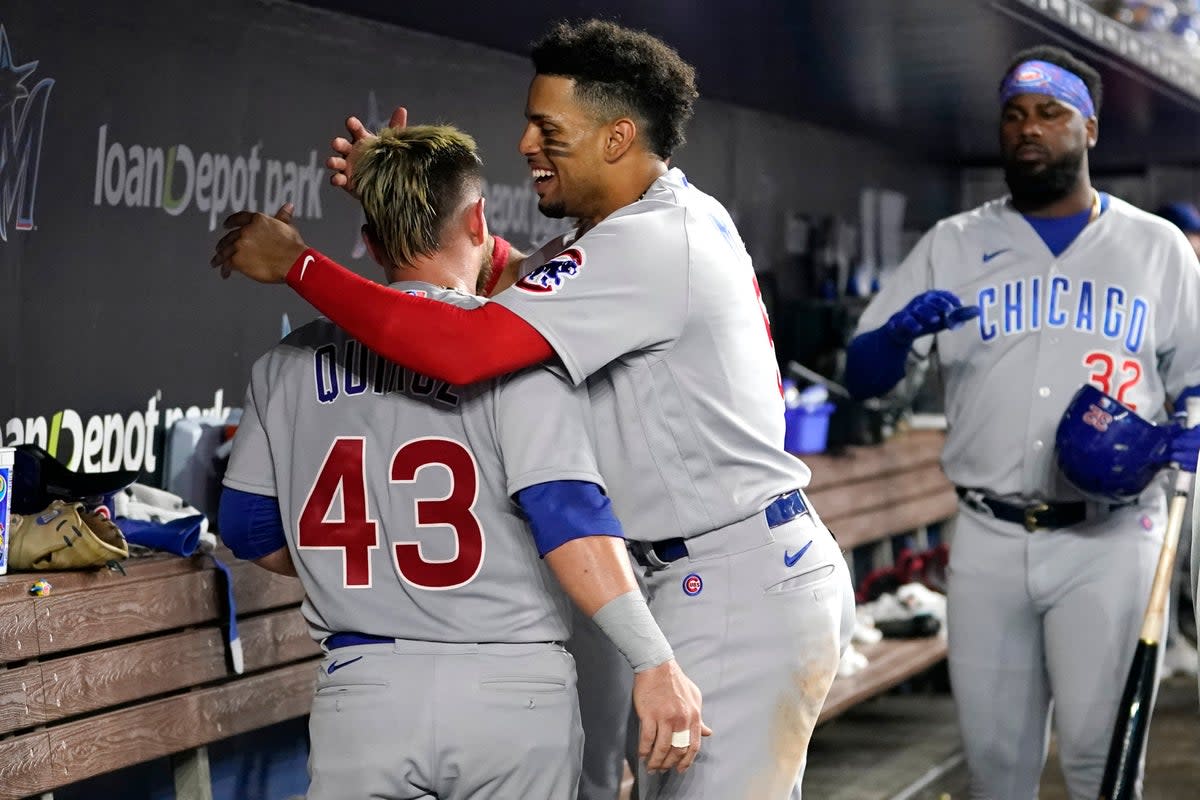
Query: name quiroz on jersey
{"points": [[356, 370], [1029, 304]]}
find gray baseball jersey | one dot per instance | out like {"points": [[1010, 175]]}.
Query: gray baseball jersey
{"points": [[663, 293], [1052, 615], [394, 488], [657, 309], [1120, 308]]}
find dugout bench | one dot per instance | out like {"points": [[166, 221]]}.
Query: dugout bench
{"points": [[865, 496], [111, 670]]}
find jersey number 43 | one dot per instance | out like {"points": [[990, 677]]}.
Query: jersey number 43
{"points": [[356, 533]]}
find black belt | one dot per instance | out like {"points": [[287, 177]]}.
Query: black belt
{"points": [[1034, 516], [656, 555]]}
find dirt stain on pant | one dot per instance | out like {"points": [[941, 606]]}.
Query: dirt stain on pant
{"points": [[795, 718]]}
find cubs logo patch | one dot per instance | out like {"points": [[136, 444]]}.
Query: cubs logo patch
{"points": [[550, 277], [692, 585], [1097, 418], [1031, 75]]}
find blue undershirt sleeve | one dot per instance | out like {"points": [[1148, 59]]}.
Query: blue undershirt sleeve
{"points": [[250, 524], [559, 511], [875, 363]]}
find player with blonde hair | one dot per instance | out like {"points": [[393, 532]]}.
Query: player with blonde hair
{"points": [[414, 512]]}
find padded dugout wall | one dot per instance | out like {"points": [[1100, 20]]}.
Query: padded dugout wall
{"points": [[128, 127]]}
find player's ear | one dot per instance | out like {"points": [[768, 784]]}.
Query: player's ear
{"points": [[477, 222], [621, 135], [1092, 125]]}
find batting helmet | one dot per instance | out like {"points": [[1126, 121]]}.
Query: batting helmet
{"points": [[1106, 450]]}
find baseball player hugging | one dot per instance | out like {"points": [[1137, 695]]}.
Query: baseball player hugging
{"points": [[429, 525], [649, 306], [1063, 286]]}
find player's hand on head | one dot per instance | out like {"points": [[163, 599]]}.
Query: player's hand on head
{"points": [[346, 150], [261, 247], [341, 163], [929, 312], [667, 704]]}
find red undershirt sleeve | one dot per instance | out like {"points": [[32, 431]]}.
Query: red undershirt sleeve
{"points": [[501, 250], [445, 342]]}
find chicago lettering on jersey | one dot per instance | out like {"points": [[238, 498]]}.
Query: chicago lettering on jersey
{"points": [[355, 371], [1058, 301]]}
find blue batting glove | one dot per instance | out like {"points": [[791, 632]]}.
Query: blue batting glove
{"points": [[929, 312], [1185, 446]]}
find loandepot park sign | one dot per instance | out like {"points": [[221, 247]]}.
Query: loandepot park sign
{"points": [[176, 178], [107, 442]]}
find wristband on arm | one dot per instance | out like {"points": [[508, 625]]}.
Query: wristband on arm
{"points": [[627, 622]]}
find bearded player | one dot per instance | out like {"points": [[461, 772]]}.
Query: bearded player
{"points": [[1063, 286]]}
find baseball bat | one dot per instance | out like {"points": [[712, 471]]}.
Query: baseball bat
{"points": [[1133, 714]]}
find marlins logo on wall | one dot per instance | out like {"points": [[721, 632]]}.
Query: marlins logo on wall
{"points": [[22, 117], [549, 278]]}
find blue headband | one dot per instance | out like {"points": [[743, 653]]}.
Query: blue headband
{"points": [[1042, 77]]}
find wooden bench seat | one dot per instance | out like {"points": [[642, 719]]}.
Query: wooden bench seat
{"points": [[869, 494], [890, 662], [111, 670]]}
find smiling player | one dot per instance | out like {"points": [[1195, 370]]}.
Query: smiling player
{"points": [[652, 303], [416, 512]]}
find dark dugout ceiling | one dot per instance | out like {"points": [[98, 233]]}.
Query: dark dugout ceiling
{"points": [[919, 74]]}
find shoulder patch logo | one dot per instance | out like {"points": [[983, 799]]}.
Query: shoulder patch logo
{"points": [[550, 277]]}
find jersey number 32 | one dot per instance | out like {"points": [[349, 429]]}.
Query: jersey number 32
{"points": [[1112, 376], [356, 534]]}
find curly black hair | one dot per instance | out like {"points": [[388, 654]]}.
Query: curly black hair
{"points": [[621, 71], [1062, 58]]}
